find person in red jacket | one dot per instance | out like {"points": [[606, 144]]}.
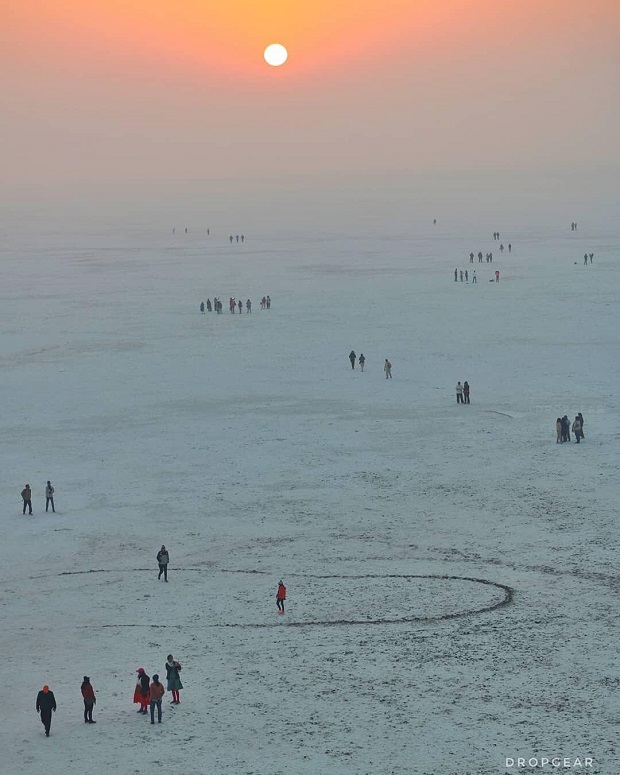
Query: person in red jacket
{"points": [[88, 693], [141, 693], [281, 596]]}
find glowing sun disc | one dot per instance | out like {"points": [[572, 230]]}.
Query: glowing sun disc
{"points": [[275, 55]]}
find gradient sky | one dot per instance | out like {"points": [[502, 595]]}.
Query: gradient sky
{"points": [[135, 91]]}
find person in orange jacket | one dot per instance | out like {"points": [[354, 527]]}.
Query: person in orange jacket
{"points": [[156, 692], [281, 596]]}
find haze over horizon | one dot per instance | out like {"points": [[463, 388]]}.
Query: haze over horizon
{"points": [[153, 97]]}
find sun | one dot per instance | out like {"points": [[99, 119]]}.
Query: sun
{"points": [[275, 55]]}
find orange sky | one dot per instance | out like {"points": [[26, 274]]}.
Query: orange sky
{"points": [[144, 89]]}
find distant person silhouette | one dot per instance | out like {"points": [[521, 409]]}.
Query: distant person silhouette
{"points": [[387, 368], [202, 307], [361, 360], [456, 275], [585, 258], [352, 358], [471, 258], [474, 279], [591, 257]]}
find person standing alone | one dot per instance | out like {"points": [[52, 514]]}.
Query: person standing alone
{"points": [[27, 498], [174, 680], [49, 496], [387, 368], [46, 703], [88, 693], [280, 596], [163, 558]]}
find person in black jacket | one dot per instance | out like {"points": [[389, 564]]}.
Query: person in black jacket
{"points": [[163, 558], [46, 703]]}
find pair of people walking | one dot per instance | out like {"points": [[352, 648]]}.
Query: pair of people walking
{"points": [[27, 498], [361, 360], [46, 704]]}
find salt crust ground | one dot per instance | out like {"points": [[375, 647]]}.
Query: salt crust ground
{"points": [[252, 450]]}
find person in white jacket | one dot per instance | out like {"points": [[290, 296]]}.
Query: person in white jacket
{"points": [[459, 393], [49, 496]]}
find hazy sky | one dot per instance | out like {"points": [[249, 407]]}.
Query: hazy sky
{"points": [[135, 91]]}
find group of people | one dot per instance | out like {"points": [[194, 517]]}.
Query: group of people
{"points": [[27, 498], [563, 428], [489, 258], [149, 692], [387, 366], [462, 393], [236, 238], [465, 275], [234, 305], [573, 226], [586, 256]]}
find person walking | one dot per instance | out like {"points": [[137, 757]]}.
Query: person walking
{"points": [[202, 307], [280, 596], [352, 358], [387, 368], [585, 258], [581, 420], [558, 431], [27, 498], [49, 497], [88, 693], [361, 360], [577, 429], [173, 668], [466, 392], [141, 692], [156, 691], [456, 275], [459, 393], [163, 558], [46, 704]]}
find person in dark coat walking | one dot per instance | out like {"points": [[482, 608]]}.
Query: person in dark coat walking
{"points": [[361, 360], [163, 558], [352, 358], [49, 496], [27, 498], [580, 416], [46, 703], [88, 693]]}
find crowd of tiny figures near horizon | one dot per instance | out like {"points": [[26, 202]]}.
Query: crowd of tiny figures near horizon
{"points": [[233, 305]]}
